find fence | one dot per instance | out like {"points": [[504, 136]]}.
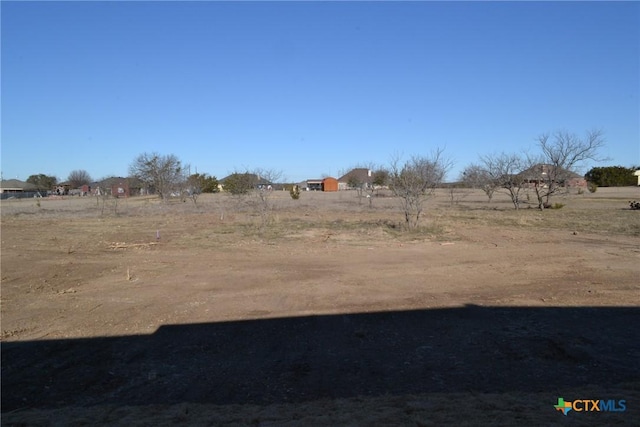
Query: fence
{"points": [[22, 195]]}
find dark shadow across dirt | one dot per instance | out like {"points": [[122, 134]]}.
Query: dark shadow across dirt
{"points": [[298, 359]]}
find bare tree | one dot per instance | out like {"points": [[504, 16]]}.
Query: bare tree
{"points": [[103, 194], [194, 188], [355, 183], [105, 197], [78, 178], [354, 179], [379, 178], [476, 176], [266, 179], [561, 154], [163, 174], [503, 170], [414, 182], [457, 192], [367, 184]]}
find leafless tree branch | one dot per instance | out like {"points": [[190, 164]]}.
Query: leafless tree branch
{"points": [[414, 181]]}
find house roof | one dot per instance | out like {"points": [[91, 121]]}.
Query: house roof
{"points": [[16, 184], [542, 171], [115, 180], [362, 175]]}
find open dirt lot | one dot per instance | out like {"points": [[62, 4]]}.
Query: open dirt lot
{"points": [[136, 312]]}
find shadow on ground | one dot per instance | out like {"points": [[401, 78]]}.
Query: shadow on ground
{"points": [[297, 359]]}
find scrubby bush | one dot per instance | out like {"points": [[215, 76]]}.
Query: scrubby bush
{"points": [[294, 192], [239, 184], [592, 186]]}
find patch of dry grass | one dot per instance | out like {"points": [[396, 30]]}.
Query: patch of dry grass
{"points": [[220, 219]]}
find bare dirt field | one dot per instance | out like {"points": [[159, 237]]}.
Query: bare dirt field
{"points": [[137, 312]]}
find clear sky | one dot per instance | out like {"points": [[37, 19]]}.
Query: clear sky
{"points": [[309, 88]]}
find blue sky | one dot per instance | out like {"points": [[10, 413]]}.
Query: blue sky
{"points": [[309, 88]]}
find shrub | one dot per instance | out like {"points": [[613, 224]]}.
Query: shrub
{"points": [[294, 192], [240, 183], [612, 176], [593, 187], [557, 206]]}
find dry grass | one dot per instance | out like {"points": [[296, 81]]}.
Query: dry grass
{"points": [[221, 223], [220, 215]]}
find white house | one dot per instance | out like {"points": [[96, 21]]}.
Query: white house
{"points": [[637, 173]]}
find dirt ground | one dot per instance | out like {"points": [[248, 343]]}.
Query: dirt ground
{"points": [[137, 312]]}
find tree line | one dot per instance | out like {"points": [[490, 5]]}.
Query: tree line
{"points": [[413, 180], [612, 176], [76, 179]]}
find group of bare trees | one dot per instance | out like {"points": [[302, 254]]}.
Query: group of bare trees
{"points": [[498, 172], [560, 155], [412, 181], [563, 153], [166, 176], [546, 173]]}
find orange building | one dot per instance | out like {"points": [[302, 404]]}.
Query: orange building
{"points": [[329, 184]]}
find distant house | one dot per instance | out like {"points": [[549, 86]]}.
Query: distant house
{"points": [[323, 184], [542, 174], [637, 173], [20, 189], [62, 189], [356, 178], [118, 187], [16, 186], [314, 184]]}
